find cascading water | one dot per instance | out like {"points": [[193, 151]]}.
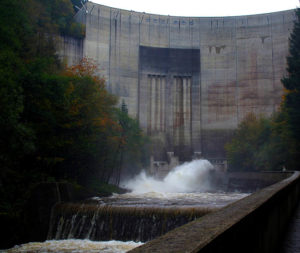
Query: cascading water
{"points": [[152, 208], [185, 178], [187, 185], [127, 223]]}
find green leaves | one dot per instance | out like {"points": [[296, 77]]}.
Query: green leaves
{"points": [[55, 123], [259, 144], [291, 98]]}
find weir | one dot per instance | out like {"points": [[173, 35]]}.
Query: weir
{"points": [[153, 208], [103, 223], [156, 206]]}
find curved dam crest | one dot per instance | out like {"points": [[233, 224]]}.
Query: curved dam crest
{"points": [[188, 80]]}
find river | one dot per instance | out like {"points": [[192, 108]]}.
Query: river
{"points": [[185, 187]]}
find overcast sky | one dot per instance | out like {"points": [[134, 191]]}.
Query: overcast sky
{"points": [[202, 7]]}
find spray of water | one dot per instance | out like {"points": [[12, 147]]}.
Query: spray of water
{"points": [[188, 177]]}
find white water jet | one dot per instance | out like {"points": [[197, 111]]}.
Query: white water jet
{"points": [[188, 177]]}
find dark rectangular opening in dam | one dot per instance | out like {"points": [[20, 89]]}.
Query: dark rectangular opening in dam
{"points": [[169, 83], [178, 61]]}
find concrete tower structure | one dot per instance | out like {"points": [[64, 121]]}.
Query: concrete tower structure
{"points": [[188, 80]]}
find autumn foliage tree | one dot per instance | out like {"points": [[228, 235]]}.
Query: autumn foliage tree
{"points": [[77, 123], [83, 135], [91, 129], [56, 123]]}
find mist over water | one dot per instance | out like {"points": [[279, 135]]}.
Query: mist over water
{"points": [[187, 185], [186, 178]]}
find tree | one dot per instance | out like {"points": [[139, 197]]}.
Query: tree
{"points": [[16, 137], [250, 135], [74, 120], [132, 151], [55, 124], [261, 144], [291, 98], [92, 123]]}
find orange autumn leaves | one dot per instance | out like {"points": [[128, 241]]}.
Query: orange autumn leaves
{"points": [[90, 104], [86, 67], [84, 135]]}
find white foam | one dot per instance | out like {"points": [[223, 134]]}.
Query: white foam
{"points": [[75, 246], [188, 177]]}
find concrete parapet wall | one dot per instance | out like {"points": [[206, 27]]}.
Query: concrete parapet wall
{"points": [[245, 181], [253, 224]]}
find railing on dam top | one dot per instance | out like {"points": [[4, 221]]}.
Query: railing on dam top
{"points": [[253, 224]]}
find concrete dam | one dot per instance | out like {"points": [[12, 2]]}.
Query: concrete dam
{"points": [[188, 80]]}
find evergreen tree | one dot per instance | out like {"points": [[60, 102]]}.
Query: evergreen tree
{"points": [[291, 98]]}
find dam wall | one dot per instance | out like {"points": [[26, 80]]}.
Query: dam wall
{"points": [[188, 80], [253, 224], [70, 50]]}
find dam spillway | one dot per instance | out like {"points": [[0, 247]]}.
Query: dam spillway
{"points": [[104, 223], [143, 214], [153, 208], [188, 80]]}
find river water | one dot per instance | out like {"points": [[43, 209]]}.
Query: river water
{"points": [[186, 186], [181, 200]]}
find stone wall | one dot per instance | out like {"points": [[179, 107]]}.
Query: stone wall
{"points": [[201, 77]]}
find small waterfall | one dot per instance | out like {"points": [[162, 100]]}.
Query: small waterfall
{"points": [[103, 222], [153, 208]]}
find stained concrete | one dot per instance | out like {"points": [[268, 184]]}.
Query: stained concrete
{"points": [[237, 64]]}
